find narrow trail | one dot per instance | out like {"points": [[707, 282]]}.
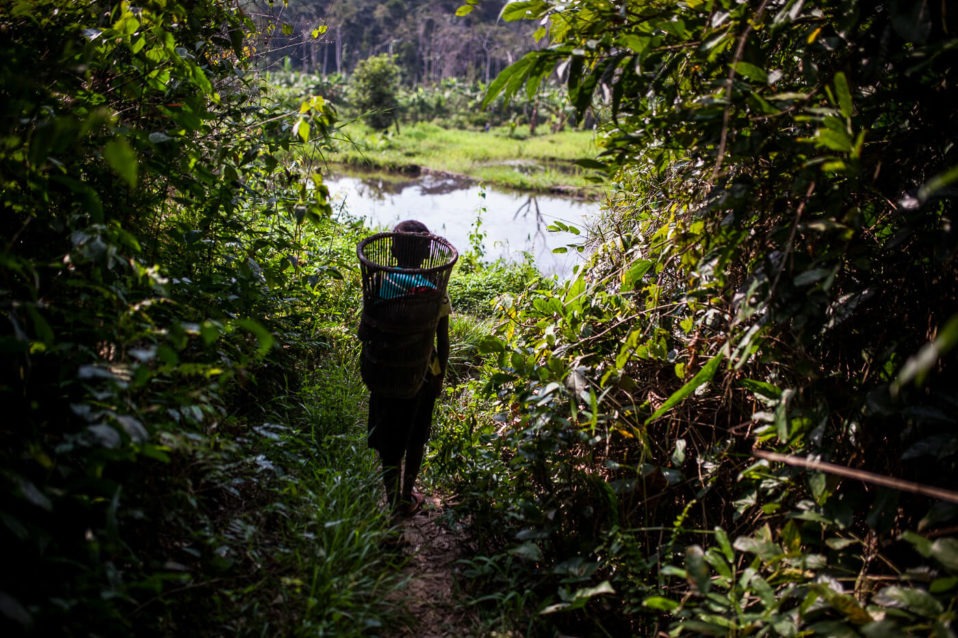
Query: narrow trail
{"points": [[430, 595]]}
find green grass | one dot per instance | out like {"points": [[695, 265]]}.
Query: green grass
{"points": [[543, 163], [327, 572]]}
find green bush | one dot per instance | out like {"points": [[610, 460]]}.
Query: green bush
{"points": [[374, 87], [776, 272], [163, 281]]}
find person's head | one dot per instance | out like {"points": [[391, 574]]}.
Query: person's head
{"points": [[410, 248]]}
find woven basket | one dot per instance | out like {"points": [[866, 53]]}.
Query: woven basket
{"points": [[401, 308]]}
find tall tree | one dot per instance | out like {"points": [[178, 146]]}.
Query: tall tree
{"points": [[430, 41]]}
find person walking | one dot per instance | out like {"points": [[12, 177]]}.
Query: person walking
{"points": [[399, 426]]}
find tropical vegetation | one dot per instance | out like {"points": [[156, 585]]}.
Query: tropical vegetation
{"points": [[737, 419], [430, 42]]}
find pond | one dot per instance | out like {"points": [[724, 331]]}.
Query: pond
{"points": [[512, 223]]}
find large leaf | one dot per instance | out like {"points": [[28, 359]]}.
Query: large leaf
{"points": [[581, 596], [660, 603], [844, 95], [945, 550], [918, 601], [523, 10], [702, 377], [751, 72], [508, 81], [122, 159]]}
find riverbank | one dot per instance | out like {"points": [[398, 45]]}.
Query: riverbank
{"points": [[499, 223], [549, 163]]}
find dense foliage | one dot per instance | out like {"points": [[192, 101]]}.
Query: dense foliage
{"points": [[177, 451], [431, 40], [775, 280], [738, 419], [375, 91]]}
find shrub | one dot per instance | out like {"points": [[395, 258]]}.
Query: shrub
{"points": [[374, 87]]}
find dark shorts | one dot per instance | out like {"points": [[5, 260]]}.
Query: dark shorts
{"points": [[398, 424]]}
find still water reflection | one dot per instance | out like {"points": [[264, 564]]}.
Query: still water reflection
{"points": [[513, 223]]}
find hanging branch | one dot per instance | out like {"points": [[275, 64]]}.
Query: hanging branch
{"points": [[860, 475]]}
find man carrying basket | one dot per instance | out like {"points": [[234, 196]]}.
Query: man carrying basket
{"points": [[405, 334]]}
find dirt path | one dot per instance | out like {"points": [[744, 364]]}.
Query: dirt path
{"points": [[430, 595]]}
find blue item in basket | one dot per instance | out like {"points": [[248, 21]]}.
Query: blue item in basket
{"points": [[400, 284]]}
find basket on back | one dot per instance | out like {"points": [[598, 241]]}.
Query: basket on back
{"points": [[404, 282]]}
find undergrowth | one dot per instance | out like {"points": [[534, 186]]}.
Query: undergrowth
{"points": [[736, 419]]}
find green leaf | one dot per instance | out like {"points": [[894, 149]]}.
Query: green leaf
{"points": [[236, 42], [921, 544], [702, 377], [751, 72], [818, 485], [489, 344], [762, 388], [833, 140], [839, 544], [918, 366], [843, 603], [528, 550], [122, 159], [537, 74], [697, 568], [509, 80], [210, 332], [301, 129], [628, 348], [760, 586], [660, 603], [263, 336], [918, 601], [844, 95], [105, 435], [943, 585], [523, 10], [635, 273], [811, 276], [763, 549], [722, 538], [930, 188], [127, 24], [158, 137], [580, 598], [634, 42], [157, 453], [945, 551], [41, 327], [575, 295], [464, 10], [11, 609]]}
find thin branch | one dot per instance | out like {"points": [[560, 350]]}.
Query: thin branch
{"points": [[860, 475], [729, 83], [789, 245]]}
